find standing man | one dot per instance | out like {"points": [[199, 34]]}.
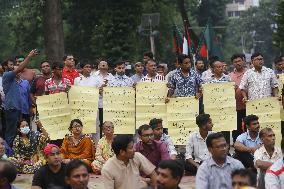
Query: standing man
{"points": [[218, 75], [122, 170], [279, 65], [13, 102], [215, 172], [120, 79], [25, 98], [57, 83], [85, 79], [199, 67], [207, 75], [69, 71], [102, 78], [185, 81], [52, 174], [154, 151], [159, 135], [147, 56], [138, 72], [247, 143], [152, 75], [259, 81], [236, 76], [266, 155], [38, 87], [196, 149]]}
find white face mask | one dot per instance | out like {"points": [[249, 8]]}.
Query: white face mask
{"points": [[25, 130]]}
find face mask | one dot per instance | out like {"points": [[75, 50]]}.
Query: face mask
{"points": [[25, 130]]}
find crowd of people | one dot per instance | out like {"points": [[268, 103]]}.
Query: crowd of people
{"points": [[150, 159]]}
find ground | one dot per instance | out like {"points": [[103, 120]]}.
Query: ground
{"points": [[24, 182]]}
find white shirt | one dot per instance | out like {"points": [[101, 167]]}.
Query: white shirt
{"points": [[196, 146], [259, 84], [99, 80], [85, 81], [261, 154]]}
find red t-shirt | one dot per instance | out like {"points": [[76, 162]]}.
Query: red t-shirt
{"points": [[71, 75]]}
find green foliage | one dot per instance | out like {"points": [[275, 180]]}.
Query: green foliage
{"points": [[279, 18], [255, 28]]}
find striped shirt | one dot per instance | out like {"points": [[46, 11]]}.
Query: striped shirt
{"points": [[157, 78]]}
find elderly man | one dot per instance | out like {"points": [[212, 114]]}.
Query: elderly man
{"points": [[152, 75], [266, 155]]}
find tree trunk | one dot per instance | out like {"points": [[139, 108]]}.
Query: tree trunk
{"points": [[53, 30]]}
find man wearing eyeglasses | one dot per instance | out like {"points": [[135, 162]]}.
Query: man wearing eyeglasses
{"points": [[69, 72], [154, 151], [259, 81]]}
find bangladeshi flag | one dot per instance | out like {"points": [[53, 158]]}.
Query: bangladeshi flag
{"points": [[177, 40]]}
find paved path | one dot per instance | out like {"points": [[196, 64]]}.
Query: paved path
{"points": [[24, 182]]}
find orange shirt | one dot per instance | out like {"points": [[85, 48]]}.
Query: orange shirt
{"points": [[71, 75]]}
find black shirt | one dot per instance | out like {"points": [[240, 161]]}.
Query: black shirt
{"points": [[46, 179]]}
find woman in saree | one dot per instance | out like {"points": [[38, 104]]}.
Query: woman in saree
{"points": [[104, 150], [78, 145], [28, 148]]}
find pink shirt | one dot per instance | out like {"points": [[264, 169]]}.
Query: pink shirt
{"points": [[237, 77]]}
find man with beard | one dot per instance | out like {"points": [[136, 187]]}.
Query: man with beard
{"points": [[120, 79]]}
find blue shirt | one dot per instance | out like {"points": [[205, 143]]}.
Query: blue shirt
{"points": [[210, 175], [246, 140], [25, 96], [12, 91], [185, 85], [121, 81]]}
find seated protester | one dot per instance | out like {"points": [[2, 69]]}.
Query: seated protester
{"points": [[120, 79], [154, 151], [157, 126], [57, 83], [104, 150], [52, 174], [242, 178], [274, 177], [122, 170], [196, 150], [247, 143], [266, 155], [2, 149], [28, 148], [215, 172], [78, 145], [169, 173], [8, 173], [77, 175]]}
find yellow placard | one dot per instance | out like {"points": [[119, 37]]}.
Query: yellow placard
{"points": [[150, 102], [84, 106], [54, 114], [181, 115], [268, 111], [219, 101], [119, 108]]}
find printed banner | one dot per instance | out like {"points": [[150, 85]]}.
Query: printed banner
{"points": [[268, 111], [181, 116], [150, 102], [84, 106], [119, 108], [54, 114], [219, 101]]}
